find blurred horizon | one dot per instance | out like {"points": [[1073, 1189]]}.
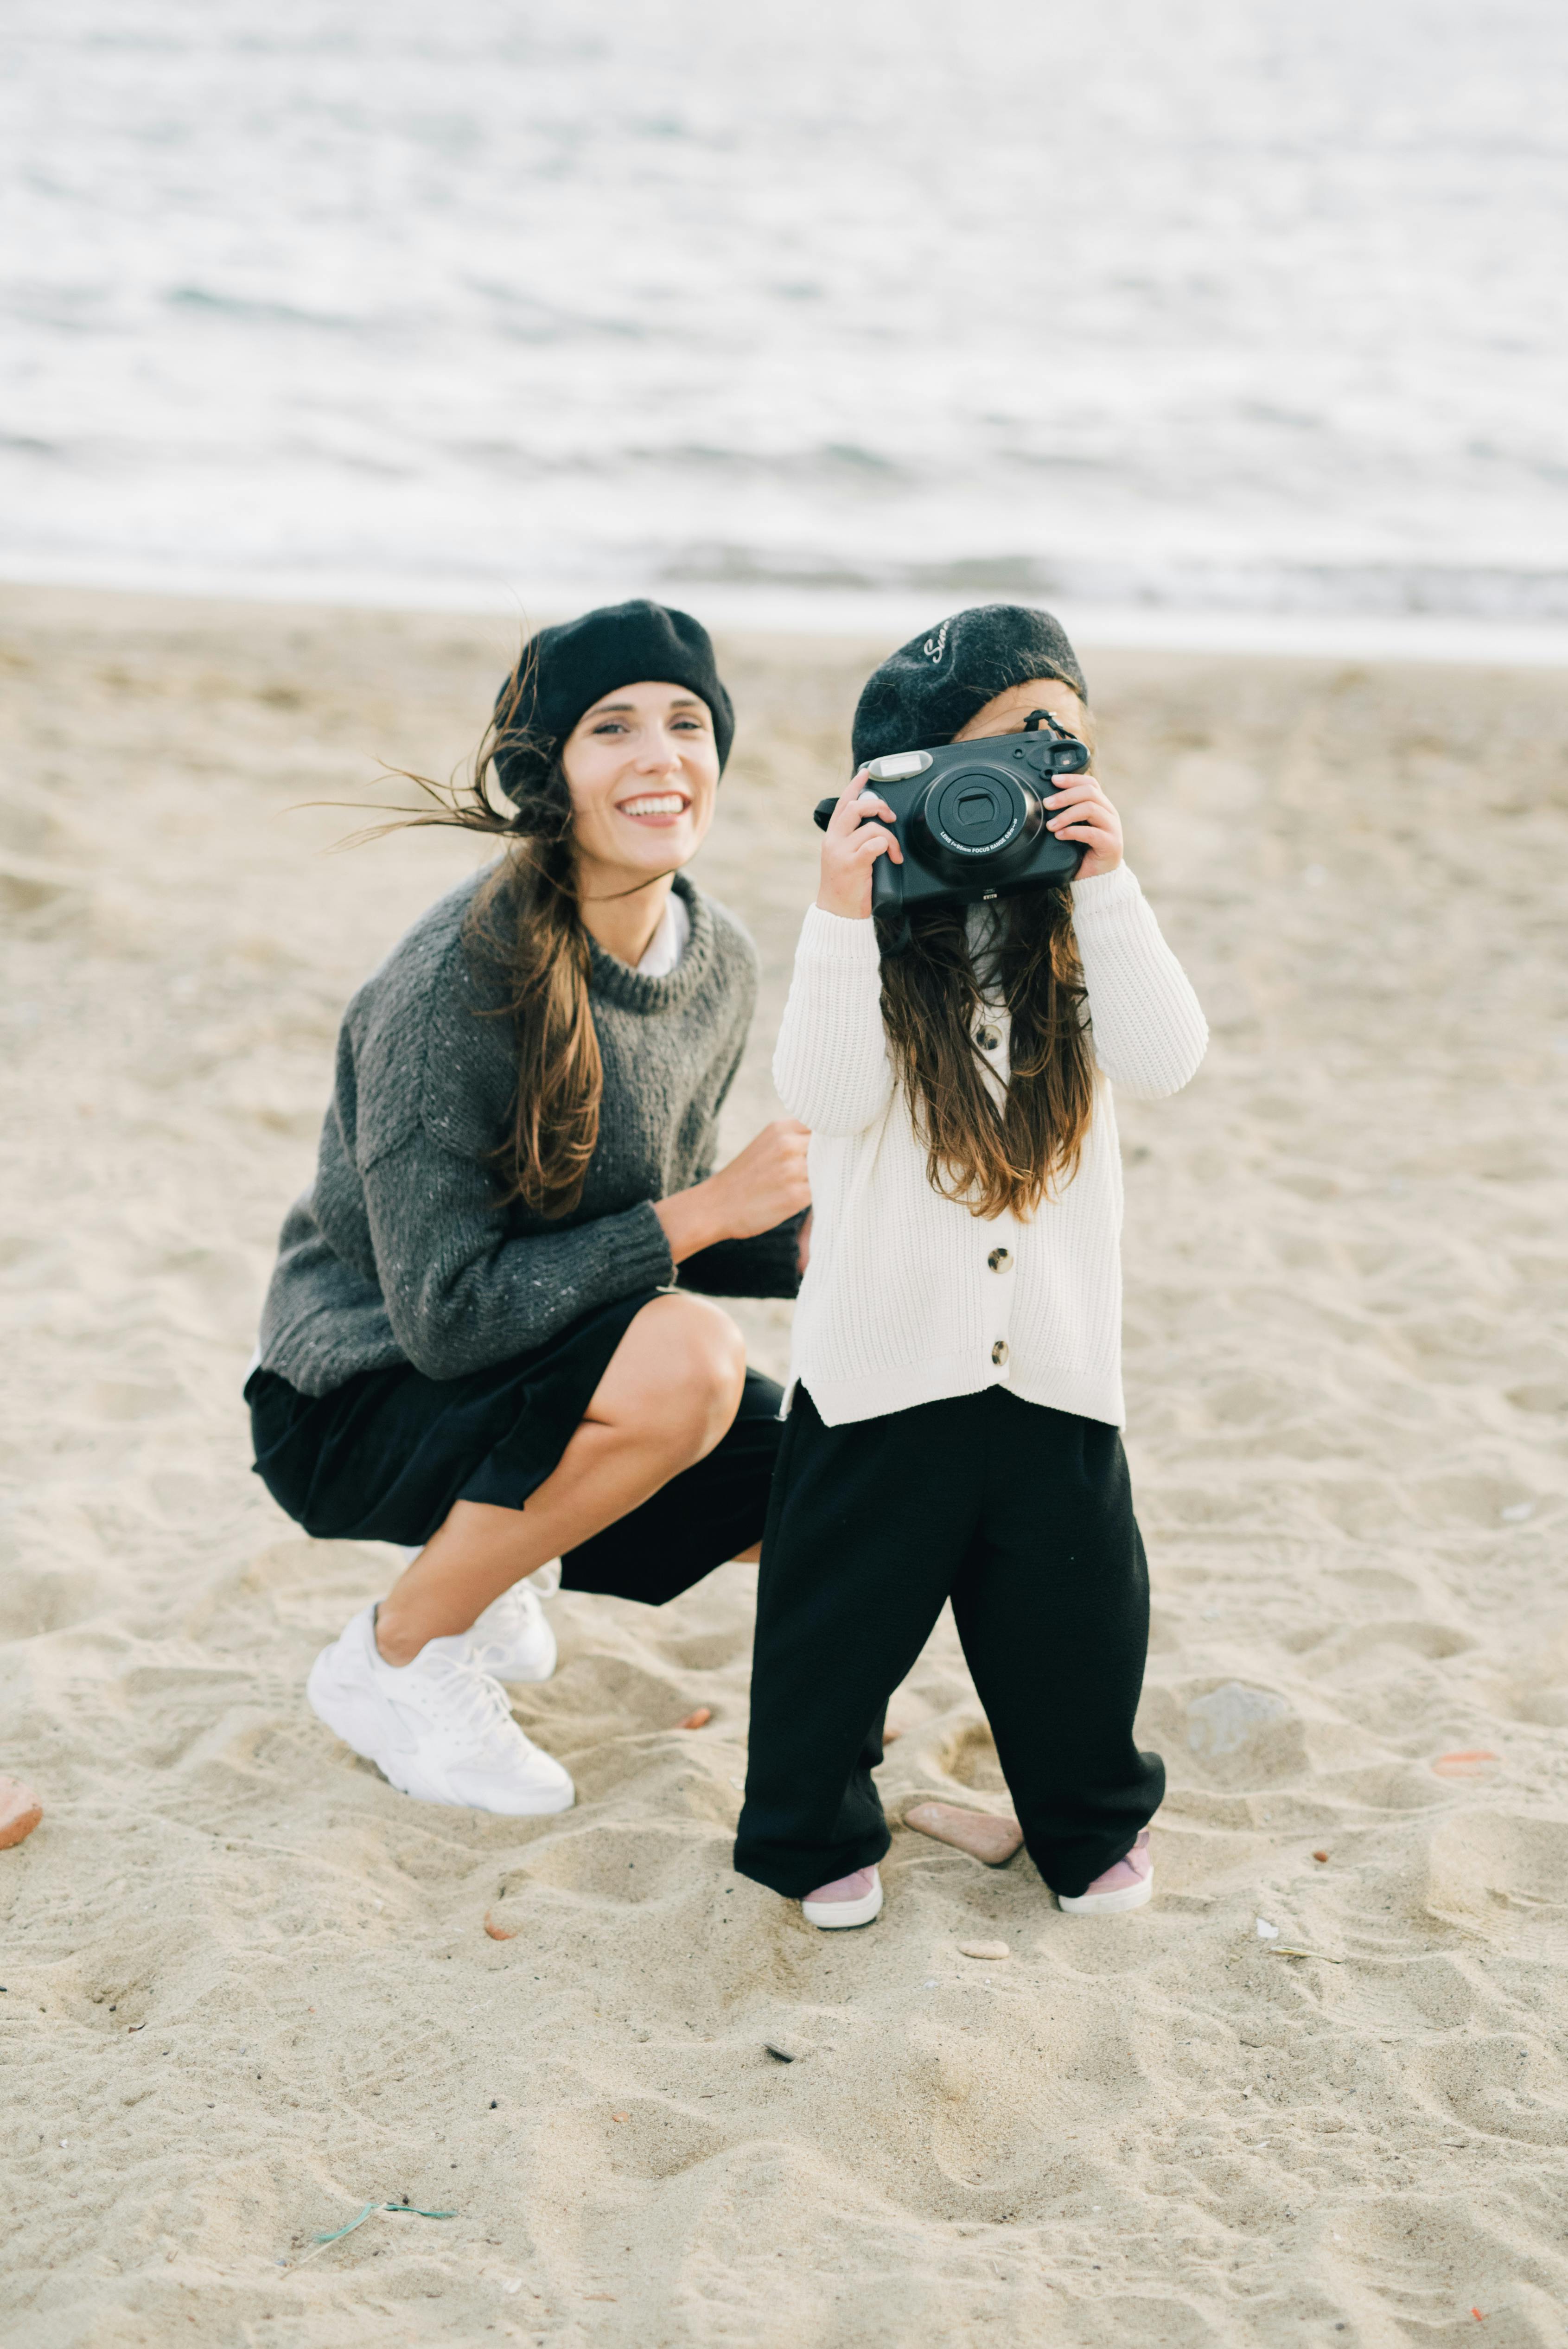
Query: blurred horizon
{"points": [[824, 310]]}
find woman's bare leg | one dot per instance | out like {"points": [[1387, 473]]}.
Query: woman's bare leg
{"points": [[670, 1393]]}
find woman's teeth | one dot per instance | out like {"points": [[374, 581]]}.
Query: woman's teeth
{"points": [[661, 803]]}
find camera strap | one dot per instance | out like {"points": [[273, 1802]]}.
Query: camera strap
{"points": [[1033, 722]]}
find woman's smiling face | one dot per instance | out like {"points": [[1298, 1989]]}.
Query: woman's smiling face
{"points": [[642, 766]]}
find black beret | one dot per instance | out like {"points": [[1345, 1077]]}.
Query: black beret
{"points": [[566, 668], [928, 690]]}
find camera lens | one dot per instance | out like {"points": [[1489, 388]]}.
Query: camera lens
{"points": [[977, 817], [975, 814]]}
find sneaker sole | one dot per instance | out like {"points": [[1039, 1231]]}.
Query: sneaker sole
{"points": [[551, 1801], [1108, 1904], [838, 1916]]}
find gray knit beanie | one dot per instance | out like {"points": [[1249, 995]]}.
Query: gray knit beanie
{"points": [[924, 694]]}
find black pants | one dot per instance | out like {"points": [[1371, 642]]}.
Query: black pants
{"points": [[384, 1456], [1022, 1517]]}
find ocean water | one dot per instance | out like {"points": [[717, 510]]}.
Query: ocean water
{"points": [[1240, 307]]}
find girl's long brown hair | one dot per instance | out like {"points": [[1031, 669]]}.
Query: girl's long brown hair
{"points": [[995, 1160], [525, 927]]}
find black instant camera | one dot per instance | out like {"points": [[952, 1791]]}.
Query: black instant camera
{"points": [[971, 817]]}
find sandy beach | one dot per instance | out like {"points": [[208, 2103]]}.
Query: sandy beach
{"points": [[1316, 2093]]}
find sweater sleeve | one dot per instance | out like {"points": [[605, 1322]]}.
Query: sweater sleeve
{"points": [[460, 1293], [1150, 1033], [766, 1264], [831, 1065]]}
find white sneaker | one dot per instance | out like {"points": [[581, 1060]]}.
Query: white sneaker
{"points": [[512, 1639], [438, 1728]]}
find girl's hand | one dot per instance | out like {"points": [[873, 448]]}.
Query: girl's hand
{"points": [[1083, 812], [850, 849]]}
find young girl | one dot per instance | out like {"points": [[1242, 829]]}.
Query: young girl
{"points": [[956, 1374]]}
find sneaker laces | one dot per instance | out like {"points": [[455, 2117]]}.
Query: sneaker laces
{"points": [[504, 1617], [470, 1699]]}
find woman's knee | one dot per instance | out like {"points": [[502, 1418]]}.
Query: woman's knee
{"points": [[677, 1375]]}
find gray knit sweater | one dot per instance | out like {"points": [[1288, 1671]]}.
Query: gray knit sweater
{"points": [[398, 1252]]}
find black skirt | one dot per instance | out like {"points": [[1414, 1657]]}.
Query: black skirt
{"points": [[384, 1457]]}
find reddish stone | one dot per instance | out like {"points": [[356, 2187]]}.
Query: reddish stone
{"points": [[20, 1811], [981, 1833]]}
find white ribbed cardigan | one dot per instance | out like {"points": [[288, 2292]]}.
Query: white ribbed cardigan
{"points": [[901, 1302]]}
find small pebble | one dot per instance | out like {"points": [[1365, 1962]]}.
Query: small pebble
{"points": [[698, 1720], [499, 1932], [983, 1950], [620, 2117], [20, 1811], [1320, 1855], [789, 2051]]}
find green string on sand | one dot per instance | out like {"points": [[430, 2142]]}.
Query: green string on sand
{"points": [[405, 2209]]}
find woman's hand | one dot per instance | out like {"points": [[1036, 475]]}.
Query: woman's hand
{"points": [[761, 1188], [1083, 812], [850, 849]]}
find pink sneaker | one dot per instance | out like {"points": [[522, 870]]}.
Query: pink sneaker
{"points": [[848, 1900], [1127, 1885]]}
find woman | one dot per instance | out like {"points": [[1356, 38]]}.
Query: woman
{"points": [[472, 1340]]}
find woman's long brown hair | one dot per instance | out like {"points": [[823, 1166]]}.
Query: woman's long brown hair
{"points": [[993, 1160], [524, 926]]}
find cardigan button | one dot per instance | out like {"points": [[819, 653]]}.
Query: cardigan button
{"points": [[999, 1351], [999, 1259], [988, 1038]]}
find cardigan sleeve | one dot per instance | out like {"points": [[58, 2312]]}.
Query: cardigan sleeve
{"points": [[831, 1065], [1150, 1033]]}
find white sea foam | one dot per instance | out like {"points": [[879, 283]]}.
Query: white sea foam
{"points": [[1252, 310]]}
